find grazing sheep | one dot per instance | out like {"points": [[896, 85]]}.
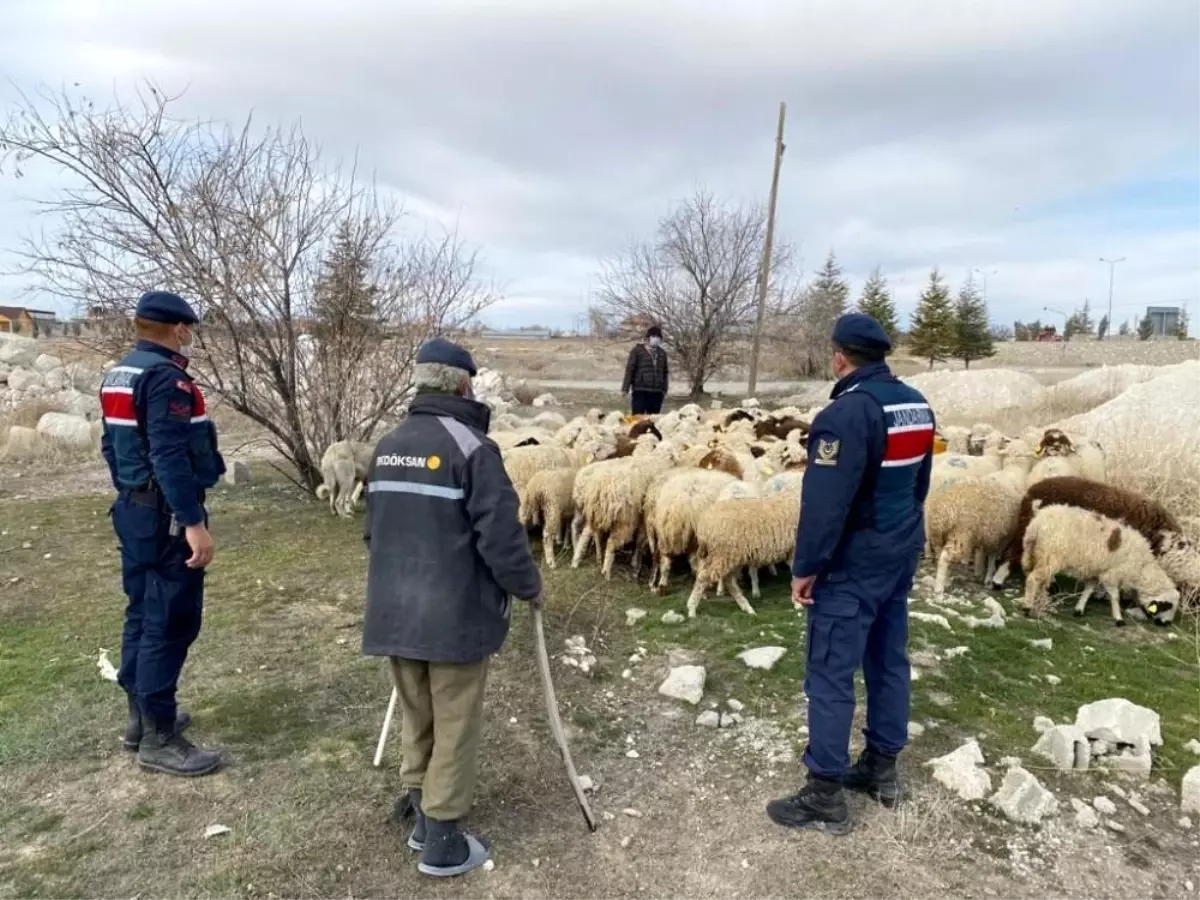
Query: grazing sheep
{"points": [[1059, 455], [548, 499], [957, 438], [551, 421], [1141, 513], [973, 521], [1180, 558], [344, 471], [646, 426], [1094, 549], [780, 428], [672, 530], [736, 534], [522, 463], [608, 504]]}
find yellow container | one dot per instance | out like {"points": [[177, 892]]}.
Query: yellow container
{"points": [[939, 445]]}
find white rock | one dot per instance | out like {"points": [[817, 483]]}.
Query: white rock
{"points": [[18, 351], [1189, 791], [586, 783], [1042, 724], [1085, 816], [489, 865], [214, 830], [631, 812], [25, 380], [632, 754], [715, 404], [710, 718], [626, 841], [1022, 798], [960, 772], [1100, 748], [1136, 760], [915, 730], [237, 473], [543, 400], [1114, 826], [1138, 805], [735, 705], [1053, 679], [762, 657], [1126, 720], [46, 363], [1193, 745], [728, 720], [672, 618], [932, 618], [66, 431], [1042, 644], [1185, 822], [1105, 806], [56, 379], [684, 683], [955, 651], [633, 614], [1009, 761], [1066, 746], [627, 674]]}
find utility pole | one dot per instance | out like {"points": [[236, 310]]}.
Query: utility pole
{"points": [[1112, 265], [985, 278], [765, 268]]}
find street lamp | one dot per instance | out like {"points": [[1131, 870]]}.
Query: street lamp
{"points": [[1112, 265], [985, 278]]}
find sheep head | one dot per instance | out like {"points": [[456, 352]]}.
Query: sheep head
{"points": [[722, 461], [1055, 442], [645, 426]]}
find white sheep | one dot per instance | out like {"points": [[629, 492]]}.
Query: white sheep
{"points": [[548, 500], [1094, 549], [344, 469], [522, 463], [973, 521], [736, 534], [608, 499], [672, 530]]}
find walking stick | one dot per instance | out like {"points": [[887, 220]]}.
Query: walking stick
{"points": [[556, 726], [387, 724]]}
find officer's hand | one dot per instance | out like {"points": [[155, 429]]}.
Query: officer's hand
{"points": [[802, 590], [201, 543]]}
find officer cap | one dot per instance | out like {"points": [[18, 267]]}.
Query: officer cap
{"points": [[165, 307], [859, 331], [447, 353]]}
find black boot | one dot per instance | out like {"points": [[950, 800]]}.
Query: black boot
{"points": [[449, 851], [133, 730], [874, 775], [408, 805], [820, 804], [164, 749]]}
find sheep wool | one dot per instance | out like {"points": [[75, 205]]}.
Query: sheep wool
{"points": [[672, 530], [548, 501], [1094, 549]]}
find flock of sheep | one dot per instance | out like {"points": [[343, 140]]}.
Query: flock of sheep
{"points": [[722, 488]]}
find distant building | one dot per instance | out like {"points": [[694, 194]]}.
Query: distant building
{"points": [[26, 321], [516, 334], [1164, 320]]}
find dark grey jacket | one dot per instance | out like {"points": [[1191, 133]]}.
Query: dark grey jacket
{"points": [[445, 547], [646, 370]]}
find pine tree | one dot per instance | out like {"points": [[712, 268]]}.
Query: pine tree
{"points": [[1125, 329], [972, 333], [1102, 328], [823, 301], [1181, 327], [344, 298], [876, 302], [1145, 328], [931, 334]]}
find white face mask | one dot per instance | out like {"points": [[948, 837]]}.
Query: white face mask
{"points": [[654, 341], [185, 350]]}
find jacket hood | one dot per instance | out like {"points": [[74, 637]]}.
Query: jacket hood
{"points": [[469, 412]]}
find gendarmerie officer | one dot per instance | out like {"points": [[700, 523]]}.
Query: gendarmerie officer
{"points": [[161, 450], [858, 543]]}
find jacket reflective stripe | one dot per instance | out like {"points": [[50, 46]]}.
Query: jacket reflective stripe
{"points": [[414, 487]]}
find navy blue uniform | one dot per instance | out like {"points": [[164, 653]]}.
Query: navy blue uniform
{"points": [[162, 453], [861, 533]]}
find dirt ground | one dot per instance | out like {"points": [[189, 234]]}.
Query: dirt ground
{"points": [[278, 681]]}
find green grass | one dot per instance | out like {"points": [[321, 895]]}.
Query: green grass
{"points": [[278, 680]]}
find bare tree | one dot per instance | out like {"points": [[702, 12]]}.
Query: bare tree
{"points": [[696, 280], [241, 221]]}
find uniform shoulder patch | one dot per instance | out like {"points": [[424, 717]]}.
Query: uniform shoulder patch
{"points": [[827, 452], [183, 385]]}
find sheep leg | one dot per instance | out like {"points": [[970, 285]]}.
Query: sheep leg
{"points": [[1035, 590], [771, 568], [991, 569], [979, 562], [735, 591], [548, 547], [1114, 599], [610, 558], [1088, 589], [577, 527], [943, 573], [581, 545], [754, 591], [1001, 574], [697, 594], [664, 574]]}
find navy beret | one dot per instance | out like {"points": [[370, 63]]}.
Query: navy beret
{"points": [[165, 307], [447, 353], [860, 331]]}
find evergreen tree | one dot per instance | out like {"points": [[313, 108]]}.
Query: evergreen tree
{"points": [[931, 334], [1145, 328], [1181, 328], [972, 334], [823, 301], [1080, 321], [1125, 329], [876, 301], [344, 298], [1102, 328]]}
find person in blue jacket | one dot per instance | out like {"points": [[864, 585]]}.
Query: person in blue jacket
{"points": [[858, 543], [162, 453]]}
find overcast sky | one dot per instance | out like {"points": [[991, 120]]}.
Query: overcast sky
{"points": [[1026, 138]]}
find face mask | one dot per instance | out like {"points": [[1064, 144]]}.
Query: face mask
{"points": [[185, 350], [654, 342]]}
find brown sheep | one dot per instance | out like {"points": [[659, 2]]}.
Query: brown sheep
{"points": [[779, 428], [1140, 513], [722, 461], [644, 427]]}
